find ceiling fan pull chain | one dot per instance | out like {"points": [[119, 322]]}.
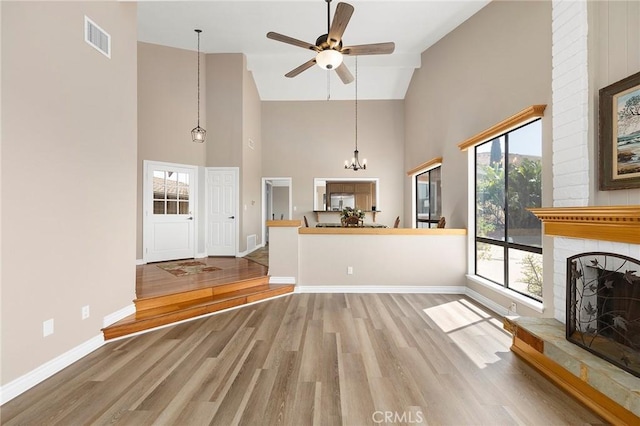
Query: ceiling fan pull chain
{"points": [[328, 85]]}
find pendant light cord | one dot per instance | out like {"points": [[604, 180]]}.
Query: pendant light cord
{"points": [[198, 31], [356, 103]]}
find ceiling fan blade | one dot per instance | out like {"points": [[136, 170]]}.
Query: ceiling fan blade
{"points": [[293, 41], [344, 73], [339, 24], [369, 49], [301, 68]]}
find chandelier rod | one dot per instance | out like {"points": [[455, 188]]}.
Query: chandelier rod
{"points": [[356, 103], [198, 31]]}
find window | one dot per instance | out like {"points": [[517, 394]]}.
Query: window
{"points": [[428, 199], [508, 238], [170, 192]]}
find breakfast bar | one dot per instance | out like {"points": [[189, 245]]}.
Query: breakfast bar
{"points": [[348, 259]]}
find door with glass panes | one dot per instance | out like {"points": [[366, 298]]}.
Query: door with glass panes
{"points": [[169, 222]]}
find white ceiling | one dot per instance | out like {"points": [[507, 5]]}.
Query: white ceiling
{"points": [[241, 26]]}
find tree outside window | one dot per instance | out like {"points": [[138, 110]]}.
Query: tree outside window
{"points": [[508, 236]]}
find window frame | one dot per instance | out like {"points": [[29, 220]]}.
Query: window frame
{"points": [[505, 244], [427, 166], [526, 115], [430, 221]]}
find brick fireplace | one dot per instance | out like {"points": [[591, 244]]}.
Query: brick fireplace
{"points": [[608, 389]]}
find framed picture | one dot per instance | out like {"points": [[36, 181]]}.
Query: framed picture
{"points": [[619, 138]]}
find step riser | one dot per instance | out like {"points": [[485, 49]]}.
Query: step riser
{"points": [[185, 312], [186, 305], [112, 333], [190, 296]]}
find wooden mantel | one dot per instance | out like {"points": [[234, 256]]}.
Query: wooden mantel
{"points": [[608, 223]]}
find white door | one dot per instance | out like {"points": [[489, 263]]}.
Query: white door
{"points": [[169, 203], [222, 211]]}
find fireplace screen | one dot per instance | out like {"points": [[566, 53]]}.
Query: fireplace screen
{"points": [[603, 307]]}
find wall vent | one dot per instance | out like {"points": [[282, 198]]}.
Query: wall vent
{"points": [[97, 37], [251, 242]]}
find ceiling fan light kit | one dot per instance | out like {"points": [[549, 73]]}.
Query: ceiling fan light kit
{"points": [[328, 47], [329, 59], [198, 134]]}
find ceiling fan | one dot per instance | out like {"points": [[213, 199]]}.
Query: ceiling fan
{"points": [[329, 49]]}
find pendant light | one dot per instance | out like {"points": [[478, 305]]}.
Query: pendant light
{"points": [[355, 162], [198, 134]]}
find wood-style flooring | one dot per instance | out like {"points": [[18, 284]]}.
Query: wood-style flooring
{"points": [[308, 359], [153, 281], [164, 298]]}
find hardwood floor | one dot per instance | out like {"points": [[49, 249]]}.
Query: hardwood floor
{"points": [[169, 292], [153, 281], [303, 359]]}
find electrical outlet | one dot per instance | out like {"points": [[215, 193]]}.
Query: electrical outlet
{"points": [[349, 270], [513, 307], [85, 312], [47, 327]]}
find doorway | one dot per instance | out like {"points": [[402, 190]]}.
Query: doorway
{"points": [[169, 224], [277, 202], [221, 198]]}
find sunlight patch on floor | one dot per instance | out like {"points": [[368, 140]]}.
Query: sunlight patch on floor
{"points": [[468, 328]]}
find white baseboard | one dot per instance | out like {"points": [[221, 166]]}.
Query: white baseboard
{"points": [[118, 315], [246, 252], [140, 262], [485, 301], [282, 280], [200, 255], [380, 289], [48, 369]]}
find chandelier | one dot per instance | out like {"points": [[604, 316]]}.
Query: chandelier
{"points": [[198, 134], [355, 164]]}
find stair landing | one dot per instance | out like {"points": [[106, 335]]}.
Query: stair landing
{"points": [[156, 311], [163, 298]]}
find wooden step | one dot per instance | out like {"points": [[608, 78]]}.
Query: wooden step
{"points": [[198, 294], [185, 308]]}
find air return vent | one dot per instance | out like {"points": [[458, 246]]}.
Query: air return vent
{"points": [[97, 37]]}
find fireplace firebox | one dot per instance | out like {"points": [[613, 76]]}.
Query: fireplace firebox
{"points": [[603, 307]]}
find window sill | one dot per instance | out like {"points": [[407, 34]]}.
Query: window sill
{"points": [[516, 297]]}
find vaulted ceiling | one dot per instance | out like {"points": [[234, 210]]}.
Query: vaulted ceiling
{"points": [[241, 27]]}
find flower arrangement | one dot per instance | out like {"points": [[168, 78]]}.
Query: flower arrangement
{"points": [[350, 216]]}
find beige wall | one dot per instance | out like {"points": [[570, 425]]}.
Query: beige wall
{"points": [[614, 53], [251, 171], [225, 111], [68, 168], [230, 111], [465, 87], [383, 261], [167, 111], [492, 66], [303, 140]]}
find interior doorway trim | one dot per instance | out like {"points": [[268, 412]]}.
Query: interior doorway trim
{"points": [[266, 199]]}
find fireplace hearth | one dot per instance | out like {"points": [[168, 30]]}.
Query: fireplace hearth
{"points": [[603, 307]]}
